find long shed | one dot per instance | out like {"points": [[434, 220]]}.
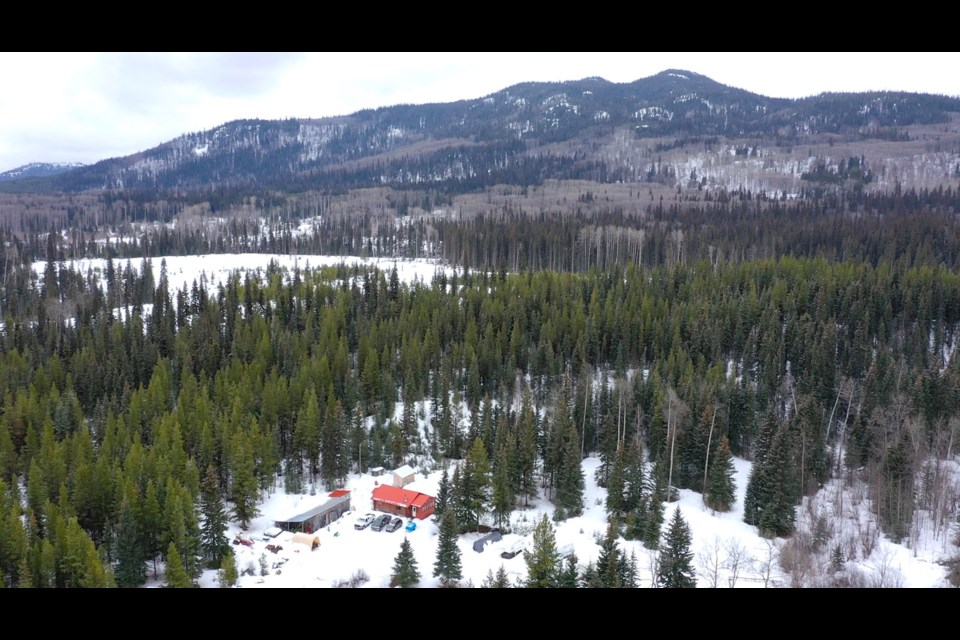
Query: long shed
{"points": [[337, 504]]}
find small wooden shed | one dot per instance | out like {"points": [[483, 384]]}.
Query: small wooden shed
{"points": [[402, 476]]}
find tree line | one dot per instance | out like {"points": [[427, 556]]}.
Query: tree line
{"points": [[123, 435]]}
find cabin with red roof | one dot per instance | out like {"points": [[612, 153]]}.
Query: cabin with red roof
{"points": [[403, 502]]}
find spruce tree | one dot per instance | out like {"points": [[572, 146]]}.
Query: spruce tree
{"points": [[616, 484], [177, 577], [503, 494], [755, 496], [333, 437], [629, 574], [228, 570], [569, 481], [443, 494], [675, 564], [721, 487], [447, 566], [244, 487], [837, 562], [608, 561], [500, 580], [150, 525], [543, 559], [131, 569], [653, 524], [569, 575], [526, 459], [475, 487], [214, 544], [405, 573], [777, 487]]}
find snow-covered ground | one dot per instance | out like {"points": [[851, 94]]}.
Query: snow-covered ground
{"points": [[183, 271], [727, 552]]}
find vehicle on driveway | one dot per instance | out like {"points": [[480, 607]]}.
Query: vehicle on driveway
{"points": [[242, 538], [364, 521], [380, 523], [411, 525], [514, 549], [395, 524]]}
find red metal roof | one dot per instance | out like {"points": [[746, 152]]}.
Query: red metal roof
{"points": [[421, 500], [339, 492], [397, 496]]}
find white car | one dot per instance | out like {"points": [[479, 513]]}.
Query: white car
{"points": [[364, 521]]}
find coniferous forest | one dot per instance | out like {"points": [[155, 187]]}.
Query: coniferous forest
{"points": [[665, 330], [120, 436]]}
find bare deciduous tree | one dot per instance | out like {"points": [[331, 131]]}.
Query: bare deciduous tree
{"points": [[709, 562], [886, 575], [764, 566], [737, 558]]}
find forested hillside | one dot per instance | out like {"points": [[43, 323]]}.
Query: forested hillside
{"points": [[813, 369], [698, 274]]}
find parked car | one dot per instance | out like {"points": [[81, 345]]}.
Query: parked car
{"points": [[380, 523], [364, 521], [411, 525], [514, 549], [243, 539], [395, 524]]}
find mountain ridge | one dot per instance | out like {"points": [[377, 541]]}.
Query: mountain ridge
{"points": [[589, 129]]}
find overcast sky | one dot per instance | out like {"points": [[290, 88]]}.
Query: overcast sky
{"points": [[85, 107]]}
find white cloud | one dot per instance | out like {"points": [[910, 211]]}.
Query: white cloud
{"points": [[90, 106]]}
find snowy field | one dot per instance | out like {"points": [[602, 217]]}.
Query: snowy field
{"points": [[183, 271]]}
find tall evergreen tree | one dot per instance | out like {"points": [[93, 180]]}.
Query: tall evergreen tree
{"points": [[752, 502], [150, 525], [773, 488], [214, 544], [543, 560], [306, 434], [443, 494], [608, 568], [721, 487], [526, 463], [653, 524], [447, 566], [244, 487], [131, 569], [333, 443], [503, 494], [675, 562], [405, 573], [228, 573], [616, 484], [568, 576], [473, 496], [569, 481], [177, 577]]}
